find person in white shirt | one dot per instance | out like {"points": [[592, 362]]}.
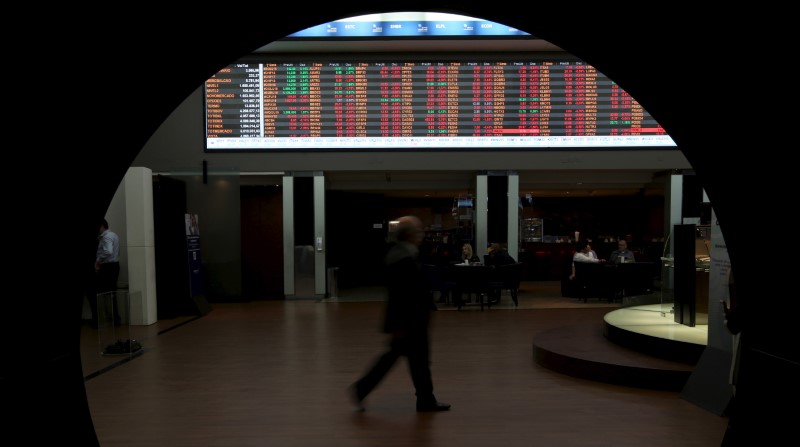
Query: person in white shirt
{"points": [[106, 266], [584, 253]]}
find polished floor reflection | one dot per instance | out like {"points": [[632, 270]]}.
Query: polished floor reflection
{"points": [[274, 373]]}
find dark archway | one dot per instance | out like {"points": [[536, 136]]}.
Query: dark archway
{"points": [[84, 105]]}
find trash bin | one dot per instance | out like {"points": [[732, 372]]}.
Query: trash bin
{"points": [[333, 282]]}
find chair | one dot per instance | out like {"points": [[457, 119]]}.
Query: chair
{"points": [[569, 287], [638, 278], [470, 279], [505, 277], [595, 280], [439, 280]]}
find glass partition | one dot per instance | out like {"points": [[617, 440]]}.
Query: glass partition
{"points": [[667, 279], [113, 325]]}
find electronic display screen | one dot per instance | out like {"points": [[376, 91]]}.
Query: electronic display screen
{"points": [[421, 103]]}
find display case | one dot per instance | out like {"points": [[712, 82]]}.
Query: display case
{"points": [[685, 267], [667, 282], [531, 229], [464, 214], [702, 268]]}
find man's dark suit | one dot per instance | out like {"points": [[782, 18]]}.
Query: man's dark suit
{"points": [[407, 317]]}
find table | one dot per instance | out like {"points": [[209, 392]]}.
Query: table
{"points": [[470, 279], [635, 278], [614, 281]]}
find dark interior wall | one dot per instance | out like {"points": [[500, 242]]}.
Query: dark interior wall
{"points": [[635, 217], [692, 204], [497, 209], [172, 268], [218, 206], [356, 228], [303, 211], [262, 242], [357, 223], [356, 247], [431, 210]]}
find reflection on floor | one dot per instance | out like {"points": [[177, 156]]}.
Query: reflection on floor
{"points": [[275, 372], [622, 337]]}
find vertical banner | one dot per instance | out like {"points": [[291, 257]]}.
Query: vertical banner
{"points": [[193, 255]]}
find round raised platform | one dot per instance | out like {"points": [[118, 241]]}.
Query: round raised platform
{"points": [[631, 346]]}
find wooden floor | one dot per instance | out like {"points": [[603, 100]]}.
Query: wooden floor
{"points": [[274, 373]]}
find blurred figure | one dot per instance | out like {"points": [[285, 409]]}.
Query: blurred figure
{"points": [[407, 318]]}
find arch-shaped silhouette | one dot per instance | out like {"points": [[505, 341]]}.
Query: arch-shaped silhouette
{"points": [[105, 83]]}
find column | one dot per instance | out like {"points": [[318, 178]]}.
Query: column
{"points": [[288, 235], [139, 242], [481, 214], [320, 240], [513, 215]]}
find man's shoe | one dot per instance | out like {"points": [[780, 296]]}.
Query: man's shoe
{"points": [[357, 400], [434, 406]]}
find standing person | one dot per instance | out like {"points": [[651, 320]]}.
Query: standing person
{"points": [[106, 266], [407, 318], [621, 254]]}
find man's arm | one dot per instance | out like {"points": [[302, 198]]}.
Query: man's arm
{"points": [[104, 248]]}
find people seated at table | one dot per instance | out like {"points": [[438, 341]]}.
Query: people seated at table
{"points": [[584, 253], [591, 275], [498, 255], [468, 256], [622, 254], [470, 283]]}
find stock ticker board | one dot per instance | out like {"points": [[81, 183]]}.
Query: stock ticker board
{"points": [[411, 104]]}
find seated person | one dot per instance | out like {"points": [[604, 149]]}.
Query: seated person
{"points": [[621, 254], [584, 253], [468, 256], [498, 256]]}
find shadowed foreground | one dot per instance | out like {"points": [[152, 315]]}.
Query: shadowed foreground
{"points": [[274, 373]]}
